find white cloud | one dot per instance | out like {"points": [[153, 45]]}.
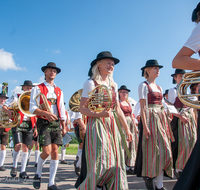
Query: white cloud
{"points": [[7, 61], [56, 51], [17, 90]]}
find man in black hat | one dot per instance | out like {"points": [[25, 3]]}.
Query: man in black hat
{"points": [[22, 133], [48, 122], [4, 135]]}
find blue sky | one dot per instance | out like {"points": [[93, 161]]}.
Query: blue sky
{"points": [[72, 32]]}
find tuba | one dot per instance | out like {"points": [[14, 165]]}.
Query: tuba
{"points": [[185, 97]]}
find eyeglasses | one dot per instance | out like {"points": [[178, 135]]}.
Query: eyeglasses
{"points": [[125, 92]]}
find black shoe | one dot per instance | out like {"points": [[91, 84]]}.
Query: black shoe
{"points": [[36, 165], [63, 162], [27, 162], [2, 168], [23, 175], [177, 174], [13, 172], [77, 169], [36, 181], [53, 187], [163, 188], [148, 183], [130, 172]]}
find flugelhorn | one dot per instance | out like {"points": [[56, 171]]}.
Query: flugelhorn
{"points": [[45, 105], [186, 98]]}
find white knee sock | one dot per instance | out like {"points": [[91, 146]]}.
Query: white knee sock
{"points": [[29, 153], [2, 157], [178, 170], [159, 180], [24, 159], [63, 150], [40, 165], [78, 164], [37, 154], [79, 151], [15, 158], [53, 170]]}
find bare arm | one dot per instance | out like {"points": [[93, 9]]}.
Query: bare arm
{"points": [[183, 60], [49, 116]]}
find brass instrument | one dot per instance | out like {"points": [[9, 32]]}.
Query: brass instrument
{"points": [[98, 97], [188, 79], [24, 103], [45, 106], [74, 102], [6, 122]]}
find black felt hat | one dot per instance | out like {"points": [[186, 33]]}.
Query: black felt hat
{"points": [[90, 72], [166, 92], [194, 13], [177, 71], [3, 95], [104, 55], [123, 87], [27, 83], [51, 65], [151, 63]]}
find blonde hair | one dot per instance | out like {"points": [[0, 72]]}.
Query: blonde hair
{"points": [[97, 76], [146, 75]]}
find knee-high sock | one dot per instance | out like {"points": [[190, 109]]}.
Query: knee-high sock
{"points": [[63, 150], [53, 170], [37, 154], [24, 159], [78, 164], [159, 180], [2, 157], [15, 158], [29, 153], [40, 165]]}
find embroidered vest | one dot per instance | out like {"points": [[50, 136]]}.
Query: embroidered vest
{"points": [[44, 90], [154, 97]]}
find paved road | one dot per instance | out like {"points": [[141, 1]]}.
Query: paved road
{"points": [[65, 177]]}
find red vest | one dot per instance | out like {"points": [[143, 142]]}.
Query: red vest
{"points": [[33, 119], [154, 97], [178, 103], [127, 110], [44, 90]]}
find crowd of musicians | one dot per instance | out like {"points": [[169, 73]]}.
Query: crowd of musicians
{"points": [[158, 138]]}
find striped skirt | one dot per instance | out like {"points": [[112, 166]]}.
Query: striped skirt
{"points": [[132, 146], [156, 150], [104, 156], [187, 136]]}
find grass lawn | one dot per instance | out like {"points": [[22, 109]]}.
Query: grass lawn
{"points": [[71, 150]]}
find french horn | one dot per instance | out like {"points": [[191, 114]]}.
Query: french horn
{"points": [[74, 102], [185, 97]]}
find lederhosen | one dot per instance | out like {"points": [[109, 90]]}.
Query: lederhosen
{"points": [[185, 137], [49, 132], [4, 135], [154, 154], [102, 159], [130, 162], [23, 133]]}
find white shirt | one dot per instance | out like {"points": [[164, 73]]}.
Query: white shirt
{"points": [[14, 99], [193, 41], [51, 94], [172, 94], [75, 115], [137, 109], [89, 86]]}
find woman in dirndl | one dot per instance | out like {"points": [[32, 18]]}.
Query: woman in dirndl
{"points": [[183, 127], [190, 176], [127, 110], [103, 139], [154, 157]]}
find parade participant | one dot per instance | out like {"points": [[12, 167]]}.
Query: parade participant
{"points": [[79, 129], [22, 133], [184, 129], [4, 135], [63, 147], [48, 122], [154, 155], [127, 110], [103, 148], [190, 176], [35, 141]]}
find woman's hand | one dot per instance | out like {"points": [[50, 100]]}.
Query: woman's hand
{"points": [[146, 132], [184, 119], [105, 113], [35, 133], [129, 136]]}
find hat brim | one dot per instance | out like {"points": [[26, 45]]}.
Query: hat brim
{"points": [[124, 89], [56, 68], [160, 66], [27, 85], [98, 59], [177, 74]]}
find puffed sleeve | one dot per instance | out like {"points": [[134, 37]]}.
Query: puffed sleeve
{"points": [[142, 91], [88, 87], [172, 94]]}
